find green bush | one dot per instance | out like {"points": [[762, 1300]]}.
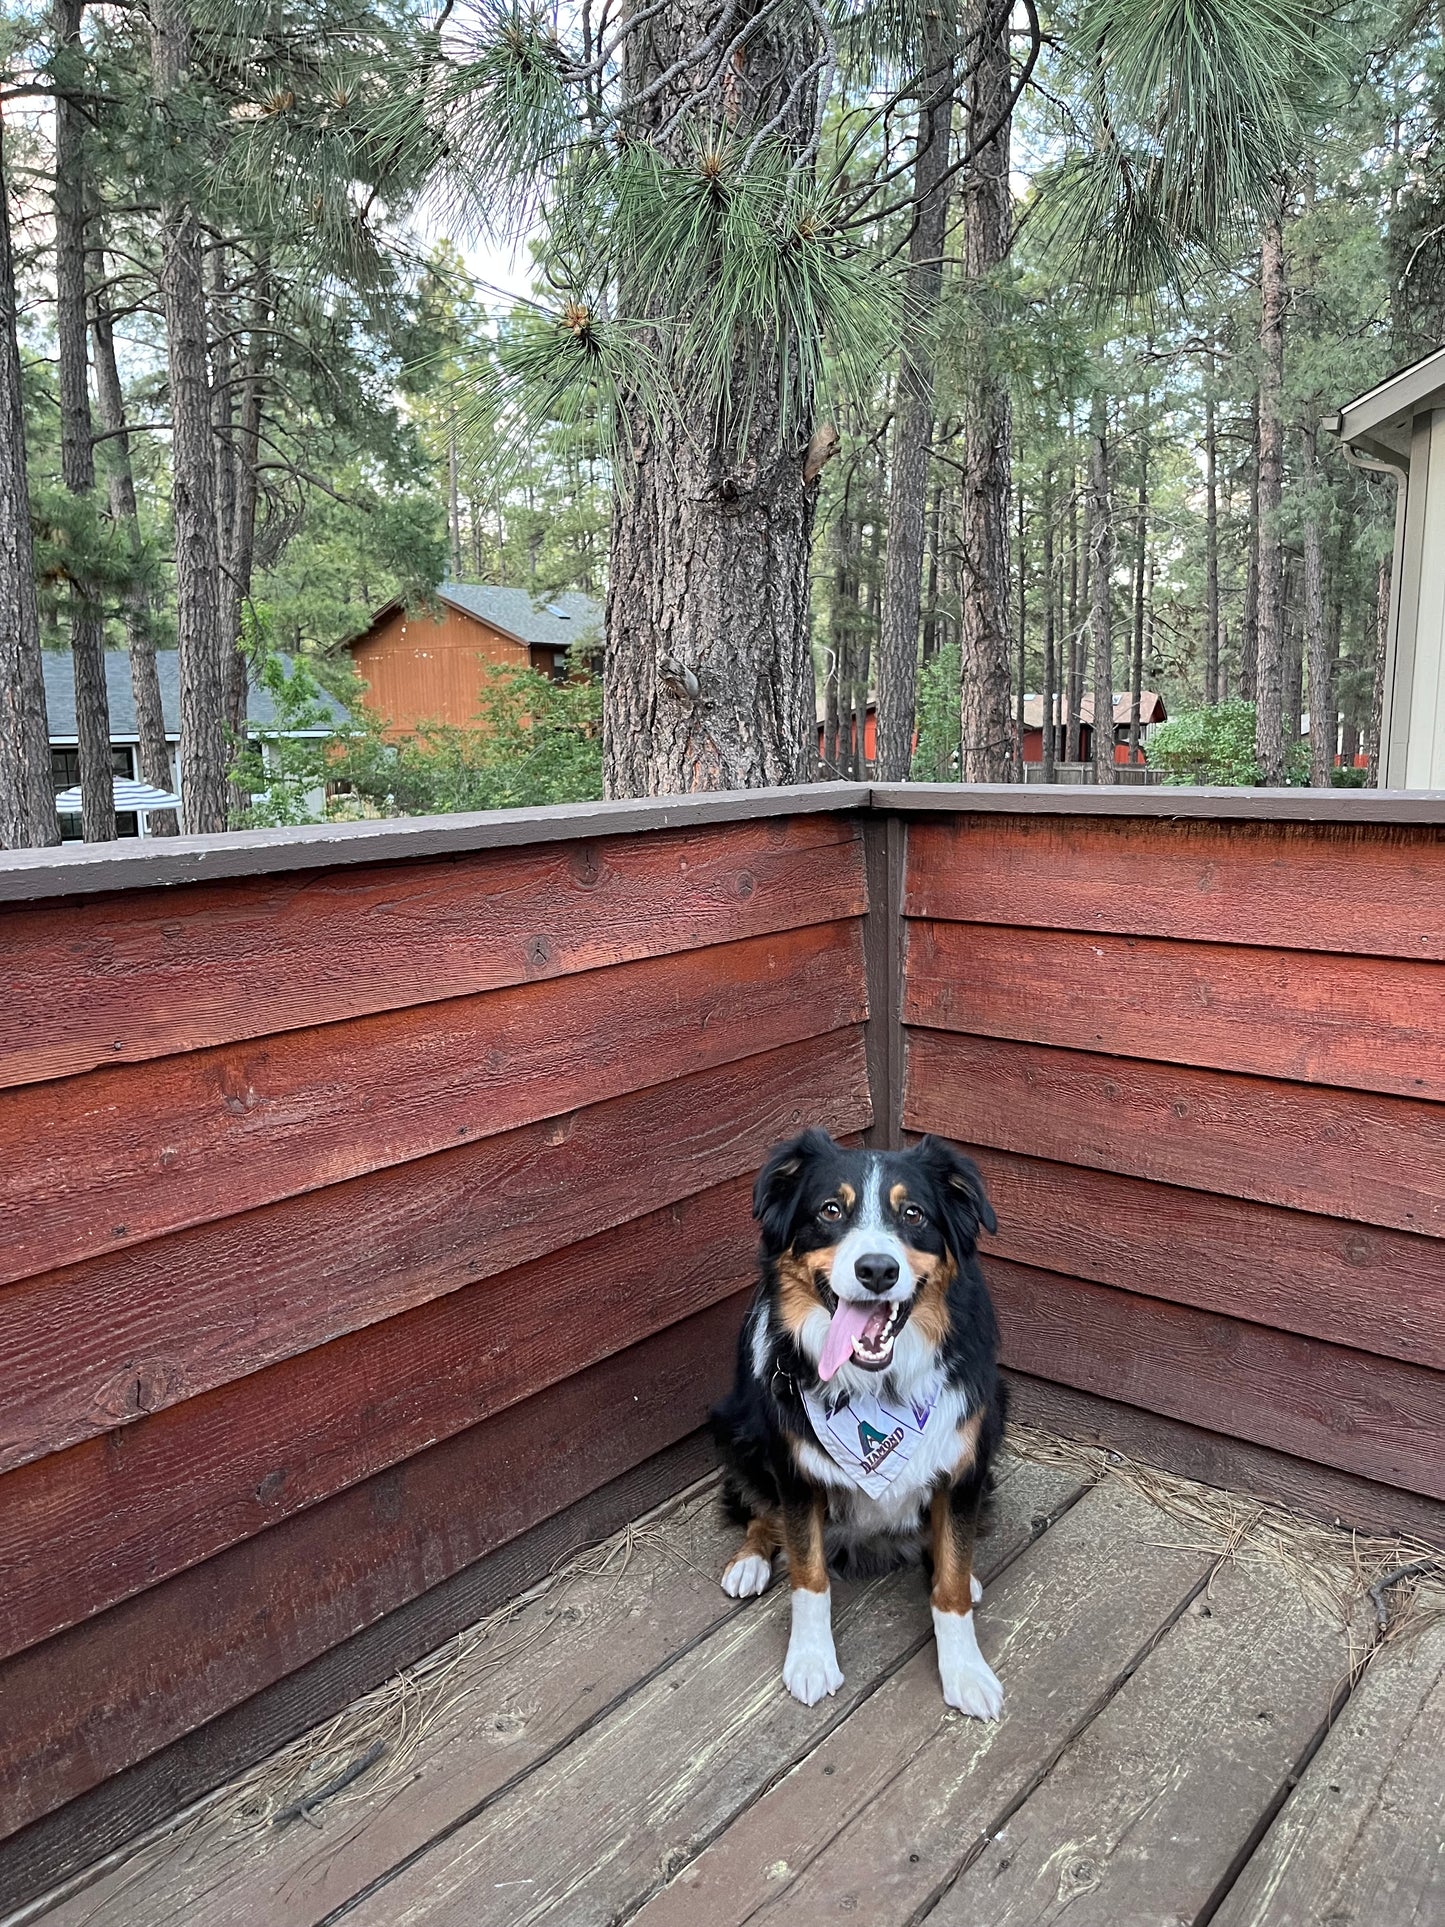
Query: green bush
{"points": [[1215, 745]]}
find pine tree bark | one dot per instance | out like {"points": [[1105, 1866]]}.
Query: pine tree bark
{"points": [[27, 792], [1101, 573], [1021, 690], [1316, 641], [199, 643], [155, 756], [1269, 741], [1050, 740], [708, 670], [77, 438], [1249, 626], [1073, 693], [986, 708], [1211, 536], [1140, 586], [913, 414]]}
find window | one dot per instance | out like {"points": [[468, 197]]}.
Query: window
{"points": [[560, 667]]}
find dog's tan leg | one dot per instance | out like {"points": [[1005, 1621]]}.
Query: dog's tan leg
{"points": [[969, 1682], [811, 1668], [751, 1567]]}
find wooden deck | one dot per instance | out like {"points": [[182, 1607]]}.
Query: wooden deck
{"points": [[1188, 1737]]}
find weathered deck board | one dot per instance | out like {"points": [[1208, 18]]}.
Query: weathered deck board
{"points": [[525, 1689], [1143, 1815], [1359, 1842], [589, 1834], [879, 1817]]}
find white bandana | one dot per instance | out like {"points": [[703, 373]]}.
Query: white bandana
{"points": [[871, 1441]]}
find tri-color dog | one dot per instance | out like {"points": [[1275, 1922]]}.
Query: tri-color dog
{"points": [[868, 1404]]}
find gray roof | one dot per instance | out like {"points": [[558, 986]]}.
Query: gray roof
{"points": [[551, 621], [1384, 413], [60, 697]]}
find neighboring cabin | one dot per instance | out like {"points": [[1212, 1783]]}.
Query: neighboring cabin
{"points": [[1151, 711], [124, 735], [425, 668]]}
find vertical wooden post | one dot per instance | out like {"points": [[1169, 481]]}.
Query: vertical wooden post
{"points": [[885, 850]]}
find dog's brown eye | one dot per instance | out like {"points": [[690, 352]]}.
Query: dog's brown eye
{"points": [[832, 1211], [911, 1214]]}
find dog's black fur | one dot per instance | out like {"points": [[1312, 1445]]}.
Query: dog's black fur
{"points": [[759, 1425]]}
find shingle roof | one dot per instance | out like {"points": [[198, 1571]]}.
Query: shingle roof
{"points": [[1151, 708], [60, 696], [554, 622]]}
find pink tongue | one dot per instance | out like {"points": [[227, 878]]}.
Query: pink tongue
{"points": [[849, 1322]]}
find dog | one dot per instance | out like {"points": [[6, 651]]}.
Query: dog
{"points": [[867, 1407]]}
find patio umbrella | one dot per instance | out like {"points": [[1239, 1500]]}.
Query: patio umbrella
{"points": [[129, 796]]}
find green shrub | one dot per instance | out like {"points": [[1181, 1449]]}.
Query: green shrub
{"points": [[1215, 745]]}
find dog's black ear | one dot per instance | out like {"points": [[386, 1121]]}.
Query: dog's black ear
{"points": [[957, 1177], [775, 1195]]}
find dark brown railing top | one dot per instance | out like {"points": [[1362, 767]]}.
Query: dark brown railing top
{"points": [[81, 869]]}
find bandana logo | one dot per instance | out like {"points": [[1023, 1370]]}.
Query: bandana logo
{"points": [[870, 1441]]}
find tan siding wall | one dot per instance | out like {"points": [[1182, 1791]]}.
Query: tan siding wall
{"points": [[428, 669]]}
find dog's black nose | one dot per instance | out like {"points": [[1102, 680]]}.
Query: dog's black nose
{"points": [[876, 1271]]}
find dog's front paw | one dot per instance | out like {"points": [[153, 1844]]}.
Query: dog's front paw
{"points": [[973, 1688], [975, 1586], [810, 1672], [969, 1682], [748, 1575]]}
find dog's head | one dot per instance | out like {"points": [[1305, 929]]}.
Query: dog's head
{"points": [[864, 1244]]}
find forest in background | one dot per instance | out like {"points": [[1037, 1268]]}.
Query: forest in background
{"points": [[259, 398]]}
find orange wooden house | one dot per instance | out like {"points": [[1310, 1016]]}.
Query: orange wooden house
{"points": [[423, 667]]}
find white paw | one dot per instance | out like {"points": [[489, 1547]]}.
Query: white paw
{"points": [[747, 1576], [969, 1682], [974, 1689], [810, 1671], [976, 1584]]}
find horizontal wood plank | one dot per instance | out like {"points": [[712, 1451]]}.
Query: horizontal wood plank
{"points": [[1358, 1841], [1142, 1817], [1377, 1160], [1365, 1023], [106, 1694], [873, 1822], [1369, 1415], [117, 1156], [1330, 1278], [118, 979], [596, 1826], [85, 1528], [105, 1342], [1373, 891]]}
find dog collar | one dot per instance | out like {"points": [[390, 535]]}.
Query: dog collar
{"points": [[870, 1441]]}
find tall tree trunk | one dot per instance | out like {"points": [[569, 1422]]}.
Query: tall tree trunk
{"points": [[155, 756], [1101, 570], [1269, 736], [238, 542], [1212, 692], [1073, 692], [1141, 587], [986, 710], [454, 501], [932, 625], [1317, 665], [708, 672], [1022, 686], [77, 440], [838, 689], [199, 640], [1249, 624], [1384, 588], [913, 416], [27, 792], [1050, 740]]}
